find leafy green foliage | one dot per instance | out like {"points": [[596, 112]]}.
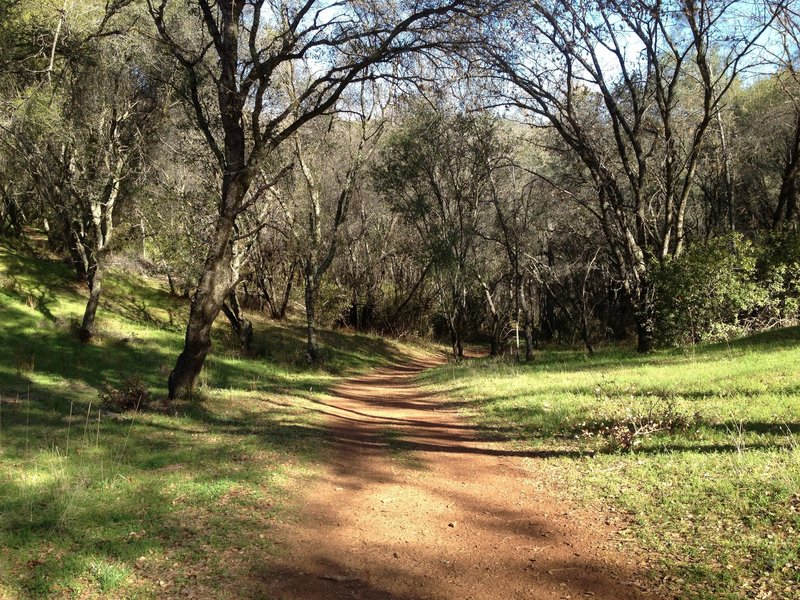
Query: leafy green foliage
{"points": [[729, 286], [778, 270], [706, 293]]}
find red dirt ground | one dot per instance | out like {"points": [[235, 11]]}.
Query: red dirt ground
{"points": [[413, 504]]}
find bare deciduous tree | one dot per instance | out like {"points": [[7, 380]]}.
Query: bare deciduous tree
{"points": [[611, 78], [240, 49]]}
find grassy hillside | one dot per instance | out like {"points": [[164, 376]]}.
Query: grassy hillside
{"points": [[94, 503], [711, 482], [697, 451]]}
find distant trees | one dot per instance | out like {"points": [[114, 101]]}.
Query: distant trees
{"points": [[632, 89], [77, 139], [330, 158], [386, 280], [767, 125], [572, 171], [517, 220], [109, 125], [788, 79], [436, 171], [275, 266]]}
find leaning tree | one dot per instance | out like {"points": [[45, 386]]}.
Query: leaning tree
{"points": [[234, 54]]}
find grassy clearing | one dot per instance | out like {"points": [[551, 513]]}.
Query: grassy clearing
{"points": [[145, 504], [712, 484]]}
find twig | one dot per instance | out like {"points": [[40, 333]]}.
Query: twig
{"points": [[69, 428]]}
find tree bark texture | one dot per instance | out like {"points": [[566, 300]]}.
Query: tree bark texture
{"points": [[216, 283], [95, 281], [312, 346], [241, 325]]}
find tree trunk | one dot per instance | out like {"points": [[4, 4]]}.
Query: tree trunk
{"points": [[78, 255], [457, 344], [527, 327], [494, 347], [287, 294], [547, 319], [497, 331], [95, 281], [587, 339], [242, 327], [367, 312], [312, 347], [787, 201], [215, 285], [173, 291], [787, 198]]}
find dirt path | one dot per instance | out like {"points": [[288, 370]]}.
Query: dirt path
{"points": [[414, 505]]}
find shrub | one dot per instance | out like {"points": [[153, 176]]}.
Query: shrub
{"points": [[132, 395], [778, 268], [709, 292]]}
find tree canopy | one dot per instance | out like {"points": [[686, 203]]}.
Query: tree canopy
{"points": [[511, 172]]}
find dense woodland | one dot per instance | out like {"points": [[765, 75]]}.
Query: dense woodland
{"points": [[510, 173], [349, 197]]}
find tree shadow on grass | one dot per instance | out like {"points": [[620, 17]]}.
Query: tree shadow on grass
{"points": [[609, 361], [81, 490], [113, 488]]}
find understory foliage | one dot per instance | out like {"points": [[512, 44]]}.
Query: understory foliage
{"points": [[727, 287], [132, 395]]}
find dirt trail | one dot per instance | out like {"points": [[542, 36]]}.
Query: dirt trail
{"points": [[413, 504]]}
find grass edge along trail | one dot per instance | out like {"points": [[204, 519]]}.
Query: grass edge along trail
{"points": [[145, 504], [696, 453]]}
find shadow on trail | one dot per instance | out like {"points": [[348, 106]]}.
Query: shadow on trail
{"points": [[376, 527], [364, 409]]}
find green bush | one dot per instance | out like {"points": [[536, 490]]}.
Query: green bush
{"points": [[710, 292], [727, 287], [778, 270]]}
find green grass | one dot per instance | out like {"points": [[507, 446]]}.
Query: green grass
{"points": [[715, 496], [96, 504]]}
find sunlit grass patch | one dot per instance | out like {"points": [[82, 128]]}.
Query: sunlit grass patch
{"points": [[108, 575], [698, 448]]}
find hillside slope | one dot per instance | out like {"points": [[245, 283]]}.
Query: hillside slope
{"points": [[696, 451], [95, 503]]}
